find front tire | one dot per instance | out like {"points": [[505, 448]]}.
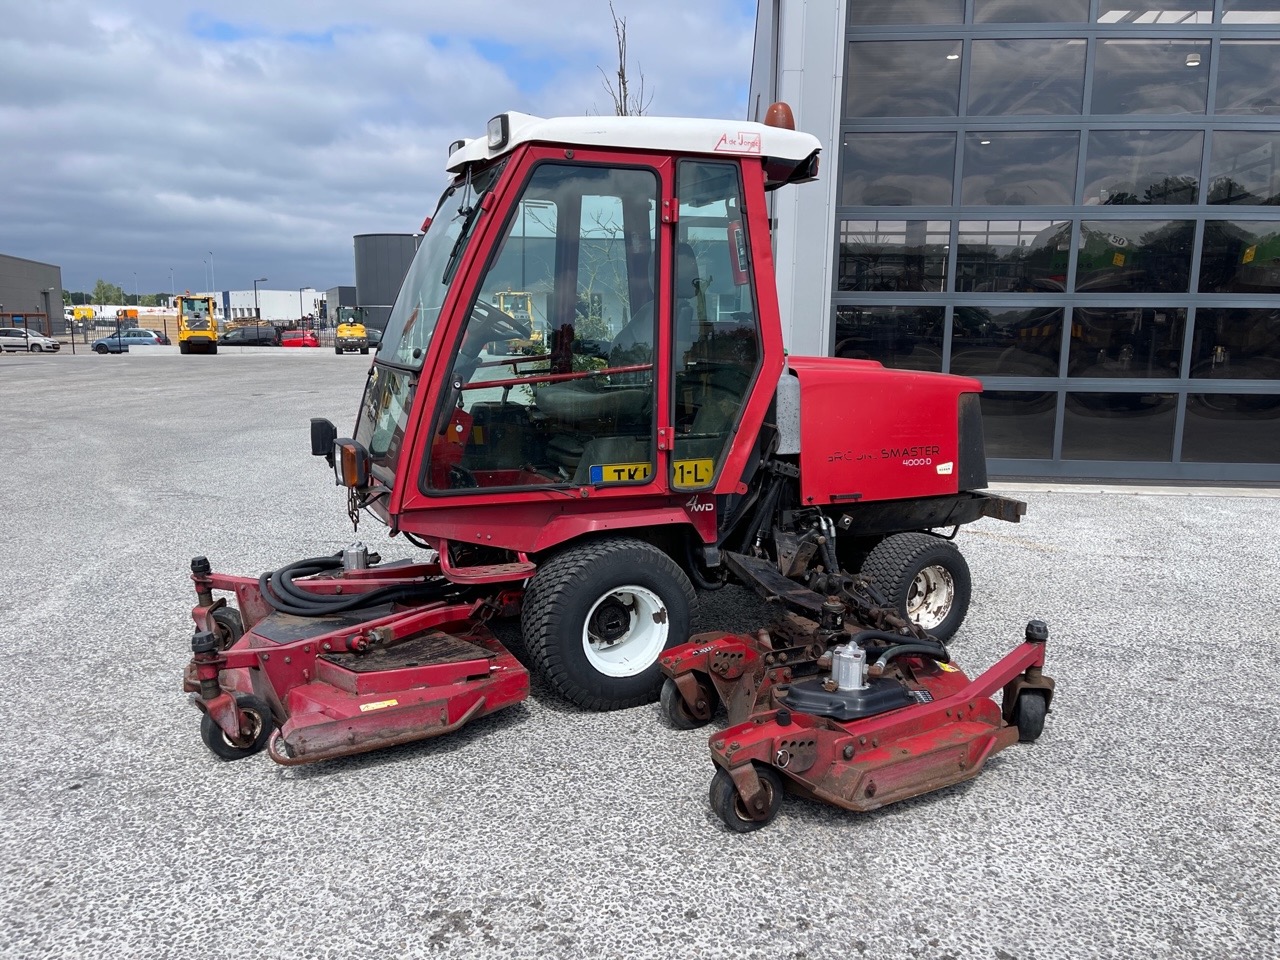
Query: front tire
{"points": [[338, 351], [597, 616], [101, 348], [925, 577], [184, 347], [36, 348], [1028, 715]]}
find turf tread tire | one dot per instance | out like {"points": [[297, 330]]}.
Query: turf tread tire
{"points": [[889, 562], [553, 590]]}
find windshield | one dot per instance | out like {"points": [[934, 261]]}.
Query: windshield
{"points": [[195, 314], [413, 319]]}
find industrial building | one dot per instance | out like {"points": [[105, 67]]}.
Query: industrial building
{"points": [[30, 295], [1075, 201]]}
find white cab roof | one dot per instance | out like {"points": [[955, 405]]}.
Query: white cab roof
{"points": [[661, 134]]}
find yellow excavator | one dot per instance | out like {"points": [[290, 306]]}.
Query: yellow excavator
{"points": [[351, 333]]}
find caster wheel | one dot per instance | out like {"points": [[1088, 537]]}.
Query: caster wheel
{"points": [[230, 626], [258, 725], [1029, 714], [677, 713], [728, 805]]}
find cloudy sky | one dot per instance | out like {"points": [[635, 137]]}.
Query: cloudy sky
{"points": [[140, 136]]}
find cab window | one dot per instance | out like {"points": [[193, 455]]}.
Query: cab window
{"points": [[552, 381]]}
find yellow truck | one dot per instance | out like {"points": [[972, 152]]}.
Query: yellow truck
{"points": [[351, 333], [197, 326]]}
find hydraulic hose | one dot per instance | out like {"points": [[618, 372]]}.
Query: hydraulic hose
{"points": [[893, 638], [279, 590], [911, 649]]}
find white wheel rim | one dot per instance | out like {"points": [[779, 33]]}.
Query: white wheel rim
{"points": [[625, 631], [931, 597]]}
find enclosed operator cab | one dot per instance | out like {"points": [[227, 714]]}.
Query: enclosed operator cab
{"points": [[197, 325]]}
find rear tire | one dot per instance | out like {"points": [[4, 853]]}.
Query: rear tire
{"points": [[597, 616], [338, 351], [184, 347], [364, 350], [925, 577], [213, 349]]}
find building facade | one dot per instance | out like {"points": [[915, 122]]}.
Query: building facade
{"points": [[382, 260], [1075, 201], [31, 295]]}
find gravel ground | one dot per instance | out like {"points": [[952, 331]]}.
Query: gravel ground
{"points": [[1142, 824]]}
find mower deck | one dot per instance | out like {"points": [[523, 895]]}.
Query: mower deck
{"points": [[311, 688]]}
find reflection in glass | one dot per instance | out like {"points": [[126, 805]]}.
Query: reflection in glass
{"points": [[1016, 425], [897, 169], [1134, 256], [1240, 256], [1232, 428], [903, 78], [1250, 11], [1242, 167], [870, 12], [1248, 77], [1013, 256], [1030, 11], [1178, 13], [1020, 167], [893, 255], [897, 336], [1119, 426], [1126, 342], [1151, 76], [1236, 344], [1143, 166], [1001, 342], [1023, 77]]}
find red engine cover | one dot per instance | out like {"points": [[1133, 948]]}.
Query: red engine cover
{"points": [[867, 433]]}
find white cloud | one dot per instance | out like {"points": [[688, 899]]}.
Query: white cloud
{"points": [[137, 135]]}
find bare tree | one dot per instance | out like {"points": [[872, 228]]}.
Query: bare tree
{"points": [[625, 103]]}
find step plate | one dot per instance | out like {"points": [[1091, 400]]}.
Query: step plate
{"points": [[430, 648]]}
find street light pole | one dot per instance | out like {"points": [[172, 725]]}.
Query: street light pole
{"points": [[302, 313], [213, 277], [136, 302], [257, 314]]}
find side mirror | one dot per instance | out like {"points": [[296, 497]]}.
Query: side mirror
{"points": [[323, 434]]}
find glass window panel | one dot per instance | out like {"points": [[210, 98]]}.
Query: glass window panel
{"points": [[1119, 426], [1006, 342], [1151, 76], [1030, 11], [1024, 77], [1232, 428], [1236, 344], [893, 255], [1240, 256], [907, 337], [1017, 425], [1126, 342], [1175, 12], [1248, 77], [903, 78], [1250, 11], [871, 12], [897, 169], [1143, 166], [1013, 256], [1134, 256], [1242, 167], [1017, 167]]}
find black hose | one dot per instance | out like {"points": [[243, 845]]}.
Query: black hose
{"points": [[888, 637], [695, 574], [938, 653], [283, 595]]}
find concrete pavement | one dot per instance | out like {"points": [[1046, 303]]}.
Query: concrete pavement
{"points": [[1144, 823]]}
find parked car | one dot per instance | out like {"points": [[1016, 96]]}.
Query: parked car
{"points": [[299, 338], [122, 341], [162, 337], [258, 335], [375, 337], [14, 339]]}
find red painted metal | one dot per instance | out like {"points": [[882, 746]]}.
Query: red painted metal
{"points": [[328, 694], [857, 444], [867, 763]]}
